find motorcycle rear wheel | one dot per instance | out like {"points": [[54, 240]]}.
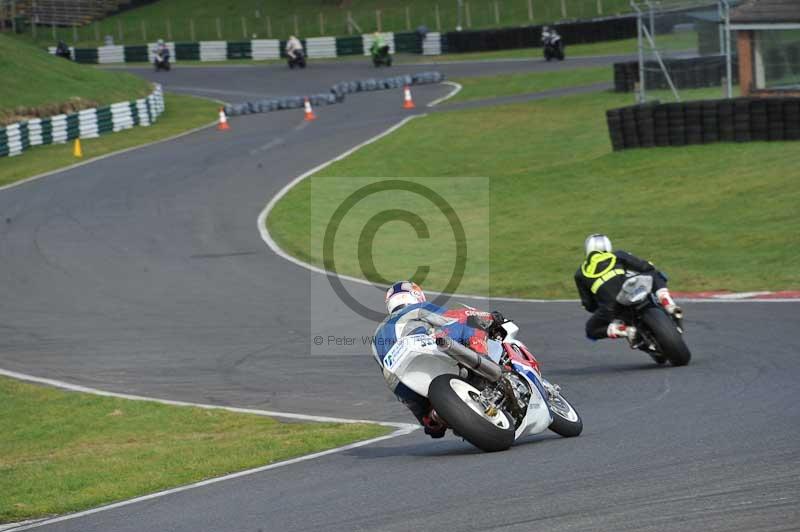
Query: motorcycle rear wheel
{"points": [[455, 401], [669, 340]]}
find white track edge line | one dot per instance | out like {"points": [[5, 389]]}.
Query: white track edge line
{"points": [[268, 413], [456, 89]]}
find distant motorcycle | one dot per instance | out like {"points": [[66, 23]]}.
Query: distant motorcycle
{"points": [[161, 59], [381, 56], [490, 401], [553, 46], [659, 334], [296, 58]]}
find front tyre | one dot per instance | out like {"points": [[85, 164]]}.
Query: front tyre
{"points": [[669, 341], [456, 401], [566, 420]]}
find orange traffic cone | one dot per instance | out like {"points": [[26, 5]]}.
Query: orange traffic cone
{"points": [[408, 103], [223, 120], [309, 112], [76, 149]]}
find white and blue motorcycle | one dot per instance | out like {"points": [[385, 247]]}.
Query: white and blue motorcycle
{"points": [[489, 401]]}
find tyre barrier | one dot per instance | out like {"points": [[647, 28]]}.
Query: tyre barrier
{"points": [[704, 122], [578, 32], [335, 95], [691, 73], [88, 123]]}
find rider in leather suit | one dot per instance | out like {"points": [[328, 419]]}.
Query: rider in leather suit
{"points": [[470, 327], [599, 279]]}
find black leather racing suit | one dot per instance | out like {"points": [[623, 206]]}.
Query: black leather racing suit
{"points": [[599, 280]]}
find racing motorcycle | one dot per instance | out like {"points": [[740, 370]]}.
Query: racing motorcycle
{"points": [[553, 46], [161, 59], [490, 401], [659, 334]]}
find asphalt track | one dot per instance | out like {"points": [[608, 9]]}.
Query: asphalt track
{"points": [[145, 273]]}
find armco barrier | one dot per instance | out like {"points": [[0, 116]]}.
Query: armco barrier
{"points": [[336, 94], [704, 122], [88, 123], [688, 73]]}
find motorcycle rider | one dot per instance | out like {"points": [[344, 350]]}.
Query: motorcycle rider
{"points": [[469, 326], [599, 279], [377, 43], [293, 46], [548, 33], [162, 52]]}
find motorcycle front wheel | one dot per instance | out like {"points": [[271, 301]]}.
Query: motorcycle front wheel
{"points": [[566, 420], [457, 402], [669, 340]]}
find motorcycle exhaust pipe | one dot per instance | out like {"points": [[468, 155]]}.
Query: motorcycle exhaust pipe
{"points": [[481, 365]]}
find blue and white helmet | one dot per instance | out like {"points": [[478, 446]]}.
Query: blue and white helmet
{"points": [[597, 242], [403, 293]]}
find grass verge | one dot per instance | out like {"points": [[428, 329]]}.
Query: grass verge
{"points": [[720, 216], [34, 80], [63, 451], [182, 114], [522, 83]]}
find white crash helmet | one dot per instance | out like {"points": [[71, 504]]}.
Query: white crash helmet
{"points": [[403, 293], [597, 242]]}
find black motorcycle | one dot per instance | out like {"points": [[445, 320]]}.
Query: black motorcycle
{"points": [[553, 47], [296, 59], [659, 334], [381, 56], [161, 59]]}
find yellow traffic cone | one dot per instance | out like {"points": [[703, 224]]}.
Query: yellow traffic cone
{"points": [[76, 149]]}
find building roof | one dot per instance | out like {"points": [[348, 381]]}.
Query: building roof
{"points": [[767, 12]]}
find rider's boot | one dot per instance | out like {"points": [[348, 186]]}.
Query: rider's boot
{"points": [[618, 329], [668, 303]]}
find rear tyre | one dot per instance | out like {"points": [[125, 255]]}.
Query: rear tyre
{"points": [[669, 341], [566, 420], [455, 401]]}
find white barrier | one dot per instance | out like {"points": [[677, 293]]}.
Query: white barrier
{"points": [[121, 116], [321, 47], [87, 124], [14, 140], [262, 49], [35, 131], [213, 50], [368, 38], [432, 44], [59, 128], [111, 54]]}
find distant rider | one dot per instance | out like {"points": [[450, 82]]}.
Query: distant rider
{"points": [[599, 280], [162, 51], [548, 33], [377, 43], [470, 327], [293, 46]]}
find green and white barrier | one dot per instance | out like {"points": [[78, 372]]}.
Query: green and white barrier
{"points": [[257, 49], [86, 124]]}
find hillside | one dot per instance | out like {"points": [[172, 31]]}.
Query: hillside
{"points": [[36, 83]]}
